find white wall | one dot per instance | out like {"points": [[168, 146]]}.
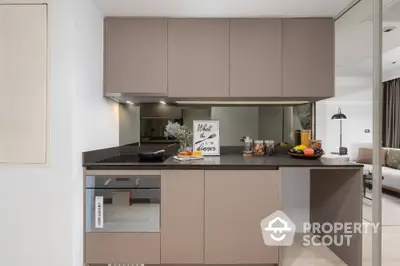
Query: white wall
{"points": [[41, 206], [236, 122], [358, 109], [129, 124], [391, 74], [354, 97], [44, 193], [96, 119]]}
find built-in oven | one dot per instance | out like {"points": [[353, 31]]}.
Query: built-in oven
{"points": [[122, 217], [123, 203]]}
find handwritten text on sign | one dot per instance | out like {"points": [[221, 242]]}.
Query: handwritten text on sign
{"points": [[206, 136]]}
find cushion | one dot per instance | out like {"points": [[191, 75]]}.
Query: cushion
{"points": [[365, 156], [393, 159], [353, 149]]}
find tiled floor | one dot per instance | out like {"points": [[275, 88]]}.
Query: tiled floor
{"points": [[390, 231], [390, 247], [297, 255], [390, 210]]}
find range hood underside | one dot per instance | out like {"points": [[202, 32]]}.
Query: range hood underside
{"points": [[198, 101]]}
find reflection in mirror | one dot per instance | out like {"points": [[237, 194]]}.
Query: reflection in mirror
{"points": [[277, 123]]}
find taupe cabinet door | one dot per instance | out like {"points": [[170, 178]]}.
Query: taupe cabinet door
{"points": [[255, 58], [308, 57], [23, 84], [182, 216], [235, 204], [198, 57], [136, 56], [119, 248]]}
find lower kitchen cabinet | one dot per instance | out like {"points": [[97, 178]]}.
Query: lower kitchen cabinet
{"points": [[122, 217], [235, 204], [182, 216], [116, 248]]}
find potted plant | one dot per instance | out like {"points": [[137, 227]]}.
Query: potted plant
{"points": [[179, 132]]}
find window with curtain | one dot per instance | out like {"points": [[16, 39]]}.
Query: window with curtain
{"points": [[391, 113]]}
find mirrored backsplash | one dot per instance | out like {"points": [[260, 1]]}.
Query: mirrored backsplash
{"points": [[265, 123]]}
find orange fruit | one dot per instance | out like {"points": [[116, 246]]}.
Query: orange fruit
{"points": [[309, 151]]}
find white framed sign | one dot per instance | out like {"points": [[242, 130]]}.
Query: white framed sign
{"points": [[206, 136]]}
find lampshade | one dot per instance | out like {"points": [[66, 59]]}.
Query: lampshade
{"points": [[339, 115]]}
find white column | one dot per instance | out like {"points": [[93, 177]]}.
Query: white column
{"points": [[377, 130]]}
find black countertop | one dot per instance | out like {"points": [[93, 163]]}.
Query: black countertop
{"points": [[223, 162]]}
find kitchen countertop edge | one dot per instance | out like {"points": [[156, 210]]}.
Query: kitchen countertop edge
{"points": [[224, 162]]}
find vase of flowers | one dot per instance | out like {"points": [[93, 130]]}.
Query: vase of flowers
{"points": [[180, 132]]}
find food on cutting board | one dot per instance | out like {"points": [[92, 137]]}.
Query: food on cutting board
{"points": [[184, 154], [197, 153], [189, 154]]}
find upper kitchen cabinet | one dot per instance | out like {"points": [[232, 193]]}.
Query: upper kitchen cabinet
{"points": [[308, 57], [23, 84], [136, 56], [255, 58], [198, 58]]}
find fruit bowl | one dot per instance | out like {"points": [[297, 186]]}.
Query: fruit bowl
{"points": [[303, 156], [304, 152]]}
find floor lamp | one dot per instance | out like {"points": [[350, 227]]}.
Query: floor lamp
{"points": [[340, 116]]}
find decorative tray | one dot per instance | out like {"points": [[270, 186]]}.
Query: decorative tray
{"points": [[303, 156]]}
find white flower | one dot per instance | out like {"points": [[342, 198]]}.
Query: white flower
{"points": [[177, 131]]}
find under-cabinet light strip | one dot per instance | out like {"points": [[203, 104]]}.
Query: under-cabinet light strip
{"points": [[241, 102]]}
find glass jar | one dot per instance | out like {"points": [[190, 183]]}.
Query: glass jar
{"points": [[258, 148], [248, 145], [297, 137], [269, 147], [316, 144]]}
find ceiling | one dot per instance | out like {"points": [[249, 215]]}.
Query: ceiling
{"points": [[222, 8], [354, 35]]}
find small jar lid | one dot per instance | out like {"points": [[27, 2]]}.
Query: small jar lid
{"points": [[258, 141]]}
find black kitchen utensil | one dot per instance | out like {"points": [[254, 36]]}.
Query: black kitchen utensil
{"points": [[152, 156], [209, 137]]}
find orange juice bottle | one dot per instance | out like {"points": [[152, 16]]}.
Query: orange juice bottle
{"points": [[305, 138]]}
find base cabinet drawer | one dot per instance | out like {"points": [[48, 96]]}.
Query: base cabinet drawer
{"points": [[133, 248]]}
